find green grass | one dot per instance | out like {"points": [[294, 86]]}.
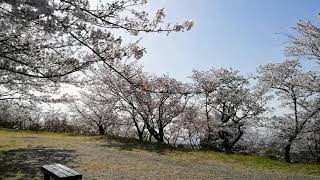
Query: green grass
{"points": [[241, 161]]}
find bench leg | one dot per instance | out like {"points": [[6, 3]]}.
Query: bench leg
{"points": [[46, 177]]}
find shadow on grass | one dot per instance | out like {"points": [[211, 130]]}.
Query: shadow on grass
{"points": [[25, 163], [128, 144]]}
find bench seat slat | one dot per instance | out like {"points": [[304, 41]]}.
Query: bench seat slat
{"points": [[62, 171], [59, 171], [53, 172], [68, 169]]}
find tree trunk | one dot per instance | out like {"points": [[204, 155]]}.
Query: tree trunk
{"points": [[317, 153], [208, 120], [101, 130], [140, 132], [140, 135], [287, 150], [153, 133], [228, 147], [232, 144], [161, 136], [287, 153]]}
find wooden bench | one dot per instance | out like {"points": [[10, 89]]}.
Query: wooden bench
{"points": [[59, 171]]}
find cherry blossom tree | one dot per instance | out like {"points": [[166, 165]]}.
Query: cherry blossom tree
{"points": [[313, 140], [228, 104], [192, 123], [48, 39], [306, 43], [165, 107], [149, 101], [156, 106], [99, 113], [19, 115], [297, 91], [105, 83]]}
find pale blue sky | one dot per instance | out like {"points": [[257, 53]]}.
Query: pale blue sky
{"points": [[241, 34]]}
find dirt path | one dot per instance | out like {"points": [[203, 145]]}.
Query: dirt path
{"points": [[21, 156]]}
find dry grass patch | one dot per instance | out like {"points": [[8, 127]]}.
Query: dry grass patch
{"points": [[121, 158]]}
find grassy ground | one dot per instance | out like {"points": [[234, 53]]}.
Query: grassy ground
{"points": [[22, 153]]}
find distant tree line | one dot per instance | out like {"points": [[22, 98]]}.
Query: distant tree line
{"points": [[45, 44]]}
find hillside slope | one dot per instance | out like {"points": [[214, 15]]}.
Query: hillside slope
{"points": [[22, 153]]}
